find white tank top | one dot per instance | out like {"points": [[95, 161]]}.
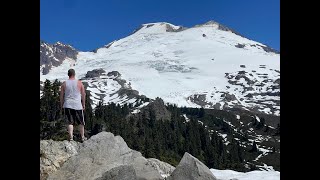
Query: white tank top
{"points": [[72, 95]]}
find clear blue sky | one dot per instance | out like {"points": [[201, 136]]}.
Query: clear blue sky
{"points": [[90, 24]]}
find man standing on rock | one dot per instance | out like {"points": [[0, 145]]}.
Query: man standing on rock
{"points": [[72, 99]]}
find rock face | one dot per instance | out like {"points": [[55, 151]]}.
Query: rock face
{"points": [[192, 169], [95, 73], [163, 168], [53, 154], [120, 173], [52, 55], [103, 156], [107, 157], [159, 109]]}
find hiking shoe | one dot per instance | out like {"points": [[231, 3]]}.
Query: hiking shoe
{"points": [[83, 139], [70, 139]]}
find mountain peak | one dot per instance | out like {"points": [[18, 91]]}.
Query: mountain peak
{"points": [[158, 27], [219, 26]]}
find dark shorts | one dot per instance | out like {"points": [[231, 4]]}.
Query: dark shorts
{"points": [[74, 116]]}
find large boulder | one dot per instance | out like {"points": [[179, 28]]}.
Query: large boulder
{"points": [[53, 154], [144, 170], [192, 169], [124, 172], [104, 155], [163, 168]]}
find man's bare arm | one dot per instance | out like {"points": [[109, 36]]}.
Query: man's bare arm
{"points": [[62, 95], [83, 95]]}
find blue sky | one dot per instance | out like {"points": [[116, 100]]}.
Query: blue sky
{"points": [[90, 24]]}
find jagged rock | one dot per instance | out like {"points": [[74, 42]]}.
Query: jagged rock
{"points": [[53, 154], [269, 49], [229, 97], [149, 25], [54, 54], [95, 73], [114, 73], [144, 170], [240, 45], [169, 28], [104, 155], [163, 168], [124, 172], [217, 106], [159, 109], [192, 169]]}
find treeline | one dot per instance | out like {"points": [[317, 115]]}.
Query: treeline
{"points": [[166, 139]]}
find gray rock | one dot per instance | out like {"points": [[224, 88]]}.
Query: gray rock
{"points": [[159, 109], [52, 55], [229, 97], [269, 49], [114, 73], [99, 156], [169, 28], [144, 170], [53, 154], [220, 27], [124, 172], [240, 45], [149, 25], [190, 168], [199, 99], [242, 66], [217, 106], [95, 73], [163, 168]]}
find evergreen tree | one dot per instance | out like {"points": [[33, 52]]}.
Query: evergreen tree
{"points": [[254, 147]]}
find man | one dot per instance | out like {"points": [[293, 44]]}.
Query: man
{"points": [[72, 99]]}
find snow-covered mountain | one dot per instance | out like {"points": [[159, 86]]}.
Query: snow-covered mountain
{"points": [[53, 55], [208, 65]]}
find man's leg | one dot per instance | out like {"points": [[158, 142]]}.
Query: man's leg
{"points": [[70, 130], [81, 122], [69, 119], [81, 129]]}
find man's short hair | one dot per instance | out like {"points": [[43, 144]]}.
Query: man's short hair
{"points": [[71, 72]]}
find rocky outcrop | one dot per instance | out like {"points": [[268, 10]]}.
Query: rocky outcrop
{"points": [[169, 28], [103, 156], [52, 55], [192, 169], [53, 154], [240, 45], [124, 172], [158, 108], [95, 73], [268, 49], [114, 73], [163, 168]]}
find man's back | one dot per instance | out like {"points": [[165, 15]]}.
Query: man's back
{"points": [[72, 97]]}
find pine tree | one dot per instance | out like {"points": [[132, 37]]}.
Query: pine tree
{"points": [[254, 147]]}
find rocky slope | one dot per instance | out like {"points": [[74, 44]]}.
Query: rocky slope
{"points": [[53, 55], [105, 156]]}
